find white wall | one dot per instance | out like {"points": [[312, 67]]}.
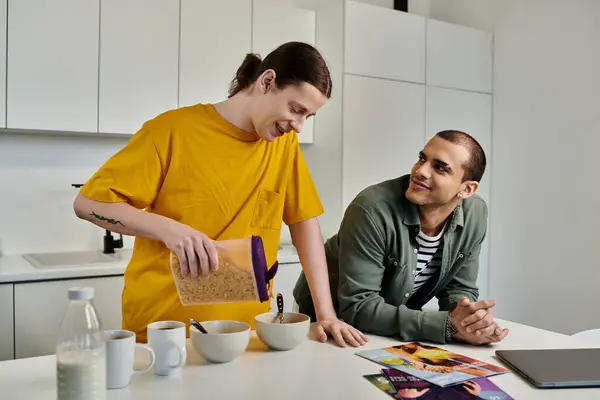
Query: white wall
{"points": [[36, 202], [545, 269]]}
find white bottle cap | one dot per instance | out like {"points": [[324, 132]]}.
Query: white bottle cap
{"points": [[81, 293]]}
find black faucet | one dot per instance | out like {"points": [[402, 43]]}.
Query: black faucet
{"points": [[110, 243]]}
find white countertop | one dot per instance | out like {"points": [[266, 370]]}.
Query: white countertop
{"points": [[15, 268], [312, 370]]}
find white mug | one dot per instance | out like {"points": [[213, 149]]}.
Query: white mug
{"points": [[120, 354], [167, 339]]}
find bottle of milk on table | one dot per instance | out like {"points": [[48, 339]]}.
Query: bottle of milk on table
{"points": [[81, 350]]}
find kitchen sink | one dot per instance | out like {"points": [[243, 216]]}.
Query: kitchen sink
{"points": [[75, 258]]}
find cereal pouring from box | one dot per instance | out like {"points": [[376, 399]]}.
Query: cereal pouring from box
{"points": [[242, 275]]}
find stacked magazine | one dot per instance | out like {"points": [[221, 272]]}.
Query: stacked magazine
{"points": [[420, 371]]}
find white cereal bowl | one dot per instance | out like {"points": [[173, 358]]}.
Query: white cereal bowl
{"points": [[225, 340], [284, 336]]}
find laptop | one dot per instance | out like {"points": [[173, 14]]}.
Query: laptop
{"points": [[555, 368]]}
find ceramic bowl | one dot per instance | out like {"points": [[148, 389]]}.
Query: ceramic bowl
{"points": [[225, 340], [284, 336]]}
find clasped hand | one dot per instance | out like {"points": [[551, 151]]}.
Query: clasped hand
{"points": [[475, 322]]}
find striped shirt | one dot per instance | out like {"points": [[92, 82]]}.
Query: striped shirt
{"points": [[429, 258]]}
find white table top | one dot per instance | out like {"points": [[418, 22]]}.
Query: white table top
{"points": [[312, 370]]}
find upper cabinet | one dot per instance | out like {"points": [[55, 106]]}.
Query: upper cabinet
{"points": [[215, 38], [275, 24], [139, 62], [384, 43], [459, 57], [53, 65], [110, 65]]}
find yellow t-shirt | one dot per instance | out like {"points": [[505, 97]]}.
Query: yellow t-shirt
{"points": [[195, 167]]}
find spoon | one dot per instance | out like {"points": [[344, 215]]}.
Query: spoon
{"points": [[197, 325], [280, 307]]}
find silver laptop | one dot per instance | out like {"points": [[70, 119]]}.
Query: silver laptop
{"points": [[555, 368]]}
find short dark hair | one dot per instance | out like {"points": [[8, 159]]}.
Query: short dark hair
{"points": [[293, 63], [475, 167]]}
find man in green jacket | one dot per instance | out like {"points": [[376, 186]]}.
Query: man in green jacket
{"points": [[407, 240]]}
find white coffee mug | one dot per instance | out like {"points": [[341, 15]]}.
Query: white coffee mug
{"points": [[167, 339], [120, 355]]}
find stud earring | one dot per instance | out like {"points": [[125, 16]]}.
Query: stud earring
{"points": [[459, 196]]}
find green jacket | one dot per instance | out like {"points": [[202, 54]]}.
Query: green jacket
{"points": [[373, 258]]}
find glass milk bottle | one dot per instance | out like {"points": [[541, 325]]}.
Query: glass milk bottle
{"points": [[81, 350]]}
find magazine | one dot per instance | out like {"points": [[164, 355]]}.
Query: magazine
{"points": [[432, 364], [410, 387], [381, 381]]}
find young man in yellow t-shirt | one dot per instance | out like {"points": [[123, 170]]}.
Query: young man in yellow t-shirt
{"points": [[216, 172]]}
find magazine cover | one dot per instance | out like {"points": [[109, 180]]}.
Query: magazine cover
{"points": [[411, 387], [432, 364]]}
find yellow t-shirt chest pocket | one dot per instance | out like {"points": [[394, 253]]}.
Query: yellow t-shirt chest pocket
{"points": [[268, 210]]}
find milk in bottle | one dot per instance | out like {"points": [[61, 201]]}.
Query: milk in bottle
{"points": [[81, 350]]}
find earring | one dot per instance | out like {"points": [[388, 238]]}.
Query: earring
{"points": [[459, 195]]}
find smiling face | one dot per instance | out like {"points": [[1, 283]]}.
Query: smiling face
{"points": [[278, 111], [437, 176]]}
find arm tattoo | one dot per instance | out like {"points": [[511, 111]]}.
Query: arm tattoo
{"points": [[108, 220]]}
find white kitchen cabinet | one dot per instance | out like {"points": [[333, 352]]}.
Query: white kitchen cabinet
{"points": [[274, 24], [52, 78], [383, 131], [284, 283], [7, 333], [384, 43], [41, 306], [139, 62], [215, 38], [3, 22], [459, 57]]}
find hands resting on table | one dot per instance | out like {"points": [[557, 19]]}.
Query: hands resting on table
{"points": [[475, 322]]}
